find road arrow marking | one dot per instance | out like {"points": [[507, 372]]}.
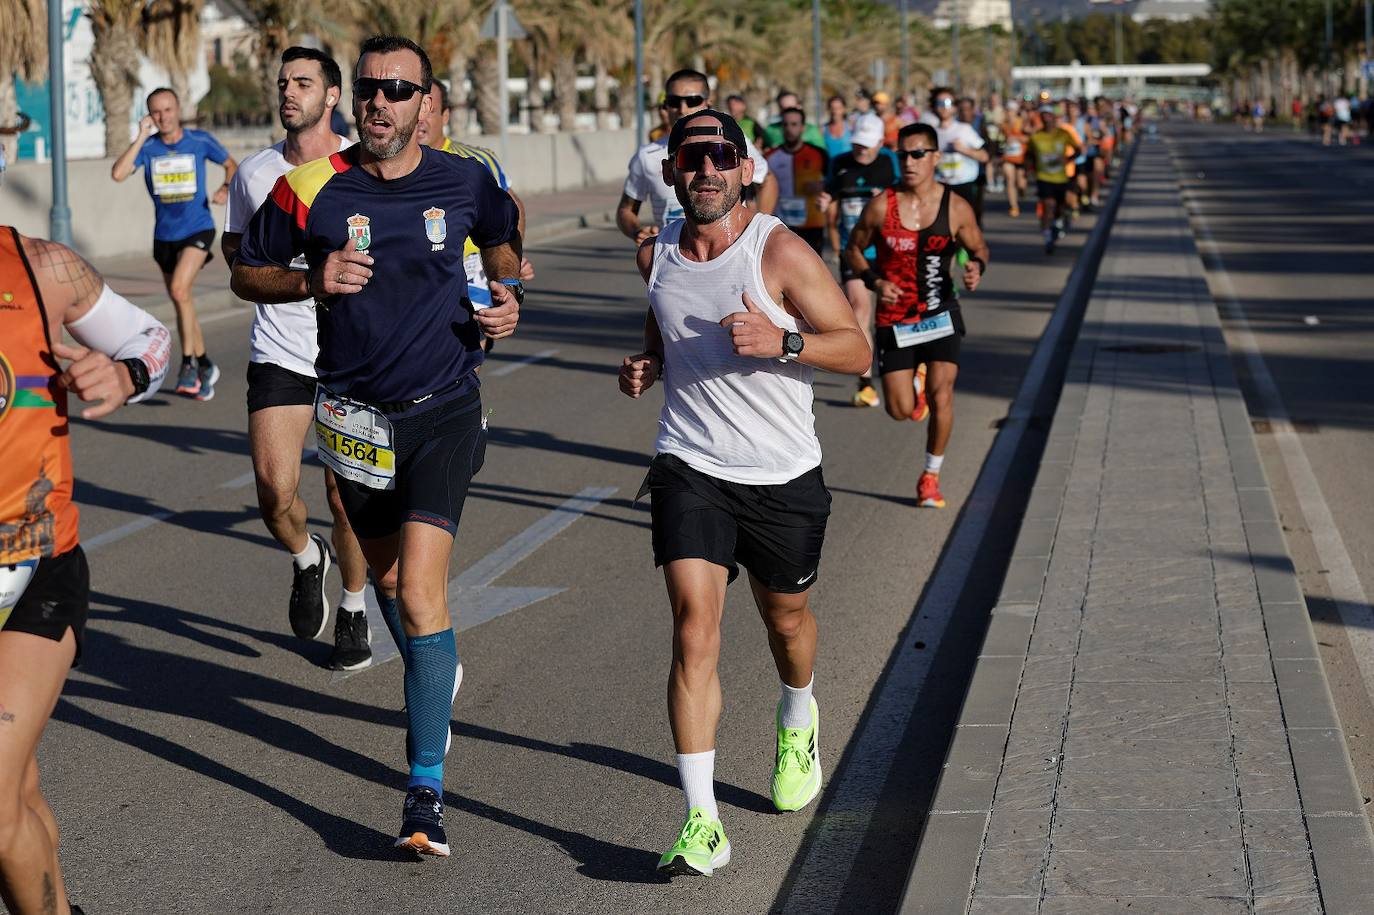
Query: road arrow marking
{"points": [[472, 598]]}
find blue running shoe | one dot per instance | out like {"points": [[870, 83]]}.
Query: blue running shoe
{"points": [[422, 823], [208, 374]]}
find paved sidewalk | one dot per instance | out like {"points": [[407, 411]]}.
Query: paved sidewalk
{"points": [[137, 278], [1149, 727]]}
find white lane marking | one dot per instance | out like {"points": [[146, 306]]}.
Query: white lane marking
{"points": [[124, 530], [471, 597], [834, 849], [227, 313], [1351, 601], [516, 366]]}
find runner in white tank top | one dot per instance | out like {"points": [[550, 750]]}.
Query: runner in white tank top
{"points": [[741, 312]]}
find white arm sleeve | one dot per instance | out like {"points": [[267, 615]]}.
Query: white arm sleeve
{"points": [[121, 330]]}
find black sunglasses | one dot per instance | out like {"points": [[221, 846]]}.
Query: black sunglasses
{"points": [[395, 90], [724, 156], [683, 101], [917, 154]]}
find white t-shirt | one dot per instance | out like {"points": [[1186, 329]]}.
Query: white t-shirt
{"points": [[957, 168], [285, 334], [645, 181]]}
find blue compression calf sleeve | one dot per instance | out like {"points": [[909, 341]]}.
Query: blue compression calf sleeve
{"points": [[431, 667]]}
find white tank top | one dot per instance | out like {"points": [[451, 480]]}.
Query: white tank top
{"points": [[737, 418]]}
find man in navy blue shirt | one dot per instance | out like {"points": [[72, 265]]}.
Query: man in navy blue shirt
{"points": [[398, 415], [173, 159]]}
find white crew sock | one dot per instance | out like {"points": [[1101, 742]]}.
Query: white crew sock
{"points": [[308, 556], [796, 705], [934, 462], [352, 601], [698, 774]]}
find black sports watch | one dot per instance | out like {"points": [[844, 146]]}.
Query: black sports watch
{"points": [[517, 289], [138, 374], [792, 344]]}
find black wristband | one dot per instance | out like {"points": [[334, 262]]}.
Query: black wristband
{"points": [[870, 278], [138, 374], [982, 265], [659, 357]]}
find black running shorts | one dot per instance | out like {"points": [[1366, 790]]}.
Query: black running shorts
{"points": [[1051, 190], [775, 532], [167, 252], [58, 597], [894, 358], [438, 452], [270, 385]]}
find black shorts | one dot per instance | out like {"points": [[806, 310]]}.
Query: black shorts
{"points": [[438, 452], [270, 385], [1051, 190], [167, 252], [58, 597], [813, 237], [967, 191], [894, 358], [775, 532]]}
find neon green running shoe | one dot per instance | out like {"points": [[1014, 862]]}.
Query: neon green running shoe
{"points": [[701, 847], [797, 772]]}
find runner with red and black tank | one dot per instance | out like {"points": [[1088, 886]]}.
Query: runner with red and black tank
{"points": [[917, 229]]}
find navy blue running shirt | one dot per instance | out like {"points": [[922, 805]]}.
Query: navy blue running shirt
{"points": [[410, 332]]}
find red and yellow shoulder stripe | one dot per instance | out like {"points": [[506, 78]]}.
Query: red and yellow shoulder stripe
{"points": [[295, 192]]}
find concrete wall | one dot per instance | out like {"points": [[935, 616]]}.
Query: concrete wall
{"points": [[110, 219]]}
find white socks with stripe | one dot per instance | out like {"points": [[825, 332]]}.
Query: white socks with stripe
{"points": [[698, 774], [934, 462]]}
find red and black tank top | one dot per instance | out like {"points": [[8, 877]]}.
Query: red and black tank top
{"points": [[37, 515], [918, 261]]}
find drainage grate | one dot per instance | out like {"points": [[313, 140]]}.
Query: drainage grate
{"points": [[1152, 349]]}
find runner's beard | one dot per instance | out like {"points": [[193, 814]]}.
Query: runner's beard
{"points": [[390, 148], [705, 213], [302, 119]]}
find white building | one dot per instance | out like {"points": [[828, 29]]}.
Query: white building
{"points": [[972, 14]]}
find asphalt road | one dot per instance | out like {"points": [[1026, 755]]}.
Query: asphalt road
{"points": [[202, 760], [1293, 232]]}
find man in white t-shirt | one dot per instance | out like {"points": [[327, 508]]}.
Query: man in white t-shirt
{"points": [[686, 92], [281, 372], [961, 148]]}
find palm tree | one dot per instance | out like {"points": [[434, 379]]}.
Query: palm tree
{"points": [[23, 50], [114, 64], [170, 37]]}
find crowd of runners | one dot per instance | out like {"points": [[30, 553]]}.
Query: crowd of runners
{"points": [[384, 268]]}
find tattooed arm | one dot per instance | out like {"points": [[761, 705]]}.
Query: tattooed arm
{"points": [[123, 351]]}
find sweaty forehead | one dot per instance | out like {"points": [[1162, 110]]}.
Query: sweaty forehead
{"points": [[297, 69], [393, 65]]}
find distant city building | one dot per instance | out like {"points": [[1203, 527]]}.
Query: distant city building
{"points": [[973, 14], [1141, 10]]}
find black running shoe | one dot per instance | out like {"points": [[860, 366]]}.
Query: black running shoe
{"points": [[352, 641], [422, 823], [309, 608]]}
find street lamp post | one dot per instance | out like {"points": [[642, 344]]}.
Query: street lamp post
{"points": [[1329, 42], [639, 72], [954, 44], [816, 59], [503, 69], [906, 50], [1368, 41], [60, 216]]}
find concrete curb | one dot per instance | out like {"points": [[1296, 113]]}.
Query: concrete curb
{"points": [[940, 881], [220, 304]]}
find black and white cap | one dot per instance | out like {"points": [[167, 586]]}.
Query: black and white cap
{"points": [[691, 126]]}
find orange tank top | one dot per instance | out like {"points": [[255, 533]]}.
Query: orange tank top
{"points": [[37, 516]]}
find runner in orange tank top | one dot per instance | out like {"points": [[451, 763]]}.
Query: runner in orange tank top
{"points": [[44, 581]]}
